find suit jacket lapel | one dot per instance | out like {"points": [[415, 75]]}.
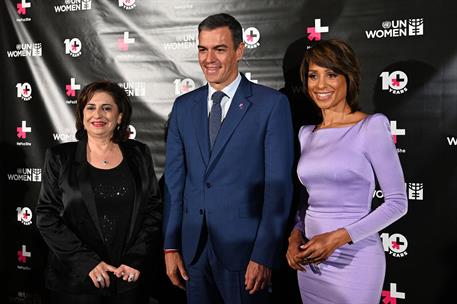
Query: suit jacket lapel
{"points": [[200, 122], [84, 184], [238, 108]]}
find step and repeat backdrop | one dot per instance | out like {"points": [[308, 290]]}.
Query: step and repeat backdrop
{"points": [[408, 53]]}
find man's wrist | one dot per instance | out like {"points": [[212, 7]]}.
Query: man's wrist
{"points": [[295, 236]]}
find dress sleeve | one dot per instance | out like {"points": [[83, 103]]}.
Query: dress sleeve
{"points": [[383, 157]]}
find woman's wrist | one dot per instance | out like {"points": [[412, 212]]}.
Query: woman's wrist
{"points": [[342, 236]]}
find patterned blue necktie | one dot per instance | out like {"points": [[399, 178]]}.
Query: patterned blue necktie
{"points": [[215, 116]]}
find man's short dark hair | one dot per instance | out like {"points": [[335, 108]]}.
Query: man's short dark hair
{"points": [[221, 20]]}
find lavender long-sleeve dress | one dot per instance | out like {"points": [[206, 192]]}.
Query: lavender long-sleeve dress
{"points": [[338, 168]]}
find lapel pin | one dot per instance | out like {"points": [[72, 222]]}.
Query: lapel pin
{"points": [[241, 106]]}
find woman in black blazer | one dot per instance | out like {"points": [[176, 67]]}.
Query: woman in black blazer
{"points": [[99, 208]]}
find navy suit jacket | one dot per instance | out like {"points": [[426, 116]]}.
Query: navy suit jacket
{"points": [[242, 187], [67, 217]]}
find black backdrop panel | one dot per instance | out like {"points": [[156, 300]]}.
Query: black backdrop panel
{"points": [[408, 53]]}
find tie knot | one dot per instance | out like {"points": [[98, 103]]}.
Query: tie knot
{"points": [[217, 96]]}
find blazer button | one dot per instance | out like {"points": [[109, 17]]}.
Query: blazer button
{"points": [[208, 185], [201, 211]]}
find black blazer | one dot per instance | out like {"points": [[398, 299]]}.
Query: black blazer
{"points": [[66, 217]]}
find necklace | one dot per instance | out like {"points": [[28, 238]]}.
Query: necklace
{"points": [[105, 160], [102, 158]]}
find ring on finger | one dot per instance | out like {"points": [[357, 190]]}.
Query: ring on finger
{"points": [[131, 277], [99, 278]]}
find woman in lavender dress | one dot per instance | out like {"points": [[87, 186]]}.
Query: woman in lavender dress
{"points": [[335, 244]]}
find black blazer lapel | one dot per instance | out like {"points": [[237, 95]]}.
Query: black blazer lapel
{"points": [[82, 173], [238, 108], [200, 121], [135, 167]]}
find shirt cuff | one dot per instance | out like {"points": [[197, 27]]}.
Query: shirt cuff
{"points": [[170, 250]]}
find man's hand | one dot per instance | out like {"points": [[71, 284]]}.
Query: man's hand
{"points": [[176, 271], [293, 251], [257, 277]]}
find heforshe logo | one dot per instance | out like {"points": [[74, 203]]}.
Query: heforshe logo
{"points": [[70, 89], [390, 296], [123, 43], [22, 7], [314, 33], [23, 254], [23, 130], [395, 131]]}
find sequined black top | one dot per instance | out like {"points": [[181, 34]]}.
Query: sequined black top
{"points": [[114, 196]]}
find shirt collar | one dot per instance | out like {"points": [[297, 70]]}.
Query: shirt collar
{"points": [[229, 90]]}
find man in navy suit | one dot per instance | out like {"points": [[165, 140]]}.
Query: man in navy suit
{"points": [[228, 177]]}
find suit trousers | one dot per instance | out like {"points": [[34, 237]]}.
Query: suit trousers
{"points": [[211, 283]]}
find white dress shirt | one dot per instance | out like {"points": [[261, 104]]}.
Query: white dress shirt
{"points": [[226, 101]]}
